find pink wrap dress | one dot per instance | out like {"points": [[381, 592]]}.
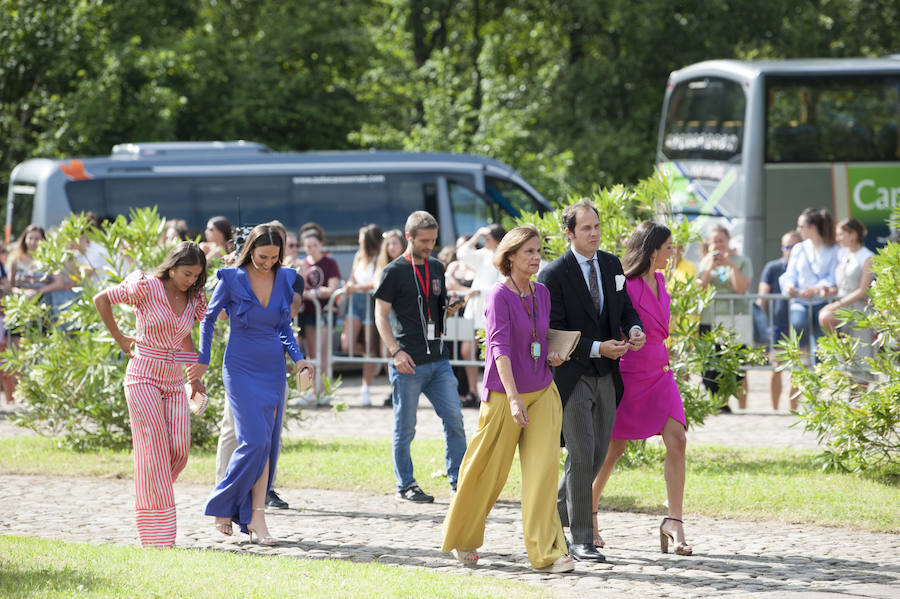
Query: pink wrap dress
{"points": [[651, 395]]}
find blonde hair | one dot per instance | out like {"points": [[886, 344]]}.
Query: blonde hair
{"points": [[383, 258]]}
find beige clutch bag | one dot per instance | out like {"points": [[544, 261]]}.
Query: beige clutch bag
{"points": [[562, 342], [197, 402]]}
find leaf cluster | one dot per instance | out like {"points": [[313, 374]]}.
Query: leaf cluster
{"points": [[70, 371], [851, 397]]}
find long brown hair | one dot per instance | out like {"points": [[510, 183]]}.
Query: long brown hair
{"points": [[21, 247], [368, 251], [646, 239], [822, 220], [262, 235], [186, 253]]}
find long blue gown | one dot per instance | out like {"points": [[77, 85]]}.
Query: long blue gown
{"points": [[254, 377]]}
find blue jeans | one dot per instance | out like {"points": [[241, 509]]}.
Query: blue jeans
{"points": [[437, 382], [800, 322]]}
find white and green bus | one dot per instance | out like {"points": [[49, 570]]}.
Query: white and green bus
{"points": [[751, 144], [340, 190]]}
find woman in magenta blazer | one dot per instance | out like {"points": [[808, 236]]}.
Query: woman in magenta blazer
{"points": [[651, 404]]}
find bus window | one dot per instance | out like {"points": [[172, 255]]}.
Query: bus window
{"points": [[512, 198], [87, 196], [23, 202], [832, 119], [705, 120], [470, 210], [342, 203], [172, 197], [262, 199]]}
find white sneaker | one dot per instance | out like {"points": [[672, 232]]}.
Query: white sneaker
{"points": [[325, 401], [364, 395]]}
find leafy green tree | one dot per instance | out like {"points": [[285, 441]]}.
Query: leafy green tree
{"points": [[277, 72]]}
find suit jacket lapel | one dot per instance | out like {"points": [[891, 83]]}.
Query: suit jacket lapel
{"points": [[576, 278], [651, 305]]}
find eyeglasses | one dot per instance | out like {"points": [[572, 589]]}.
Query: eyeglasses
{"points": [[292, 245]]}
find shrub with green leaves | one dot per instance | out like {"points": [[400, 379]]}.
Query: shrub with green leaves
{"points": [[851, 398], [70, 370], [621, 209]]}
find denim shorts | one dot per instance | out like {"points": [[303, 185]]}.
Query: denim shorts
{"points": [[358, 309]]}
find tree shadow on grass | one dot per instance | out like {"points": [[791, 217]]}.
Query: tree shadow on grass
{"points": [[34, 579]]}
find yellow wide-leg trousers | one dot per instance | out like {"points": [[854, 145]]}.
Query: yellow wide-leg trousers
{"points": [[485, 468]]}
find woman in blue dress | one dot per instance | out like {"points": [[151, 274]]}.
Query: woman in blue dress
{"points": [[256, 294]]}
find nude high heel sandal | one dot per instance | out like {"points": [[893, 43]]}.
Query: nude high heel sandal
{"points": [[267, 540], [664, 537]]}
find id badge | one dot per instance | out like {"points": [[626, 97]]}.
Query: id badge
{"points": [[430, 332], [535, 350]]}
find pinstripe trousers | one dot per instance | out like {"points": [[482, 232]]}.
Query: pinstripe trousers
{"points": [[161, 436], [588, 418]]}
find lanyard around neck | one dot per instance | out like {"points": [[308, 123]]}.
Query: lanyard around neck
{"points": [[426, 287], [533, 314]]}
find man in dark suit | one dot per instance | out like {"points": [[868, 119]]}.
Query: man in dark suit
{"points": [[587, 294]]}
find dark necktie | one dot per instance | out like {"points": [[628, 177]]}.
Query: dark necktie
{"points": [[594, 287]]}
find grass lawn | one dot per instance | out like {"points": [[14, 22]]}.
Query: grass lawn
{"points": [[749, 483], [41, 568]]}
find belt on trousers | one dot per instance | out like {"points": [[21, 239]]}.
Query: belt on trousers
{"points": [[169, 356]]}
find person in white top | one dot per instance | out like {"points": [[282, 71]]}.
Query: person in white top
{"points": [[852, 276], [809, 277], [481, 262], [359, 326]]}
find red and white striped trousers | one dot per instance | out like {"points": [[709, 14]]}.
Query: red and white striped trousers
{"points": [[161, 436]]}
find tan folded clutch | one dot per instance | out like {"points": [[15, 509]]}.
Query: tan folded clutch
{"points": [[562, 342]]}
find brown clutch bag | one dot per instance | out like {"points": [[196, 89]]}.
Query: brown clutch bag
{"points": [[562, 342]]}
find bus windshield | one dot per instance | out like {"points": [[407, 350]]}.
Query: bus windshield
{"points": [[705, 120], [832, 119]]}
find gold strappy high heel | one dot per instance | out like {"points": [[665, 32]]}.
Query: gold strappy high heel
{"points": [[266, 540], [224, 528], [664, 537]]}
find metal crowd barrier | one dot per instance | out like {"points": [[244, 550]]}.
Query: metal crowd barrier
{"points": [[734, 319], [457, 330]]}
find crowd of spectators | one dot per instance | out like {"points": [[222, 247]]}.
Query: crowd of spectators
{"points": [[822, 269]]}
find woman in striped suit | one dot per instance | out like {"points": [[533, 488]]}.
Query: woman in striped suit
{"points": [[167, 304]]}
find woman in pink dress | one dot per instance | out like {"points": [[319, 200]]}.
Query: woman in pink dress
{"points": [[651, 404]]}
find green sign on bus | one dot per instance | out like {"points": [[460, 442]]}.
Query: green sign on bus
{"points": [[874, 193]]}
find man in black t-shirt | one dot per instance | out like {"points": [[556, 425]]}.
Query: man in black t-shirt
{"points": [[410, 303]]}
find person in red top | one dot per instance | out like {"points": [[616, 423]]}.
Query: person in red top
{"points": [[167, 304], [322, 277]]}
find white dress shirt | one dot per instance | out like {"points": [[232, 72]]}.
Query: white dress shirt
{"points": [[584, 263]]}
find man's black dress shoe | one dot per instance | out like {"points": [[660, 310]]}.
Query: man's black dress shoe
{"points": [[273, 500], [585, 551]]}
